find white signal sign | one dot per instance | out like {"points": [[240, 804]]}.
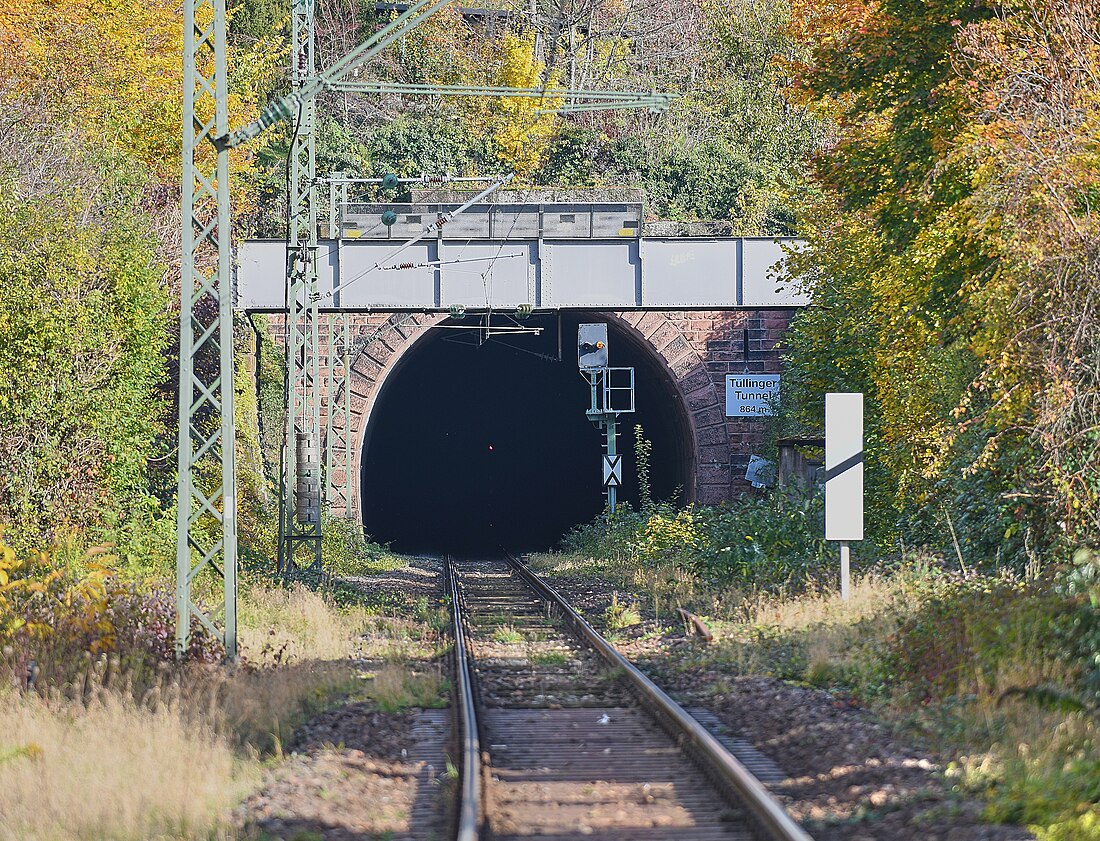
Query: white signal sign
{"points": [[844, 467], [613, 470]]}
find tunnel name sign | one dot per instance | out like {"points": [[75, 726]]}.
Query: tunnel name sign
{"points": [[751, 395]]}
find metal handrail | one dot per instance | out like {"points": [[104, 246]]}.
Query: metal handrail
{"points": [[470, 809], [764, 809]]}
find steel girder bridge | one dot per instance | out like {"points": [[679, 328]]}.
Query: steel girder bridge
{"points": [[206, 525]]}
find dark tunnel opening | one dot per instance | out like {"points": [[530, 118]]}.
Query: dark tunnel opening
{"points": [[477, 445]]}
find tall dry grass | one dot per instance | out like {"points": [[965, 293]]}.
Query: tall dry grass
{"points": [[870, 596], [98, 760], [166, 754], [113, 769], [281, 625]]}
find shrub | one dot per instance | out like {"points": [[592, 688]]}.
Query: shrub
{"points": [[1079, 631], [768, 542], [610, 535], [83, 328], [617, 616], [63, 603], [966, 635]]}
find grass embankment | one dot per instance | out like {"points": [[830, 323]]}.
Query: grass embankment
{"points": [[997, 671], [122, 744]]}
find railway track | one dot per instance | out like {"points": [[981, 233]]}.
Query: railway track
{"points": [[562, 738]]}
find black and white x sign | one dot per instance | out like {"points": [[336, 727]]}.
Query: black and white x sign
{"points": [[613, 470]]}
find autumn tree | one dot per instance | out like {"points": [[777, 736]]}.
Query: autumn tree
{"points": [[938, 275]]}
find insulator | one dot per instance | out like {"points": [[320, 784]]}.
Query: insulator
{"points": [[303, 61], [440, 221], [389, 181], [457, 311], [389, 218], [307, 479], [407, 266]]}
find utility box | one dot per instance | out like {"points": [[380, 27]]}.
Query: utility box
{"points": [[592, 346]]}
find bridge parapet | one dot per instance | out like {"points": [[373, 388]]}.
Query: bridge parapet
{"points": [[545, 257]]}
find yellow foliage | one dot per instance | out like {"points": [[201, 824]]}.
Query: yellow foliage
{"points": [[32, 584], [112, 70], [521, 132]]}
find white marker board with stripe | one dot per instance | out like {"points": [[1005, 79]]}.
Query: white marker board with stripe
{"points": [[844, 466]]}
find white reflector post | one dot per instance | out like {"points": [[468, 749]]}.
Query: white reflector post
{"points": [[844, 475], [844, 467]]}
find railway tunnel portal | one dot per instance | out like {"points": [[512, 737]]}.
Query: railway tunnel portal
{"points": [[479, 441], [458, 439]]}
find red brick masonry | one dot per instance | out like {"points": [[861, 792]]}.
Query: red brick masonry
{"points": [[697, 348]]}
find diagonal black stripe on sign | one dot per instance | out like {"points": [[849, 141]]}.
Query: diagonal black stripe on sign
{"points": [[845, 465]]}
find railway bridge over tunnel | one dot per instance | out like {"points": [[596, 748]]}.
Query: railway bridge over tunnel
{"points": [[465, 438]]}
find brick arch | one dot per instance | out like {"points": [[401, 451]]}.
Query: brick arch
{"points": [[696, 349], [679, 341], [382, 339], [672, 337]]}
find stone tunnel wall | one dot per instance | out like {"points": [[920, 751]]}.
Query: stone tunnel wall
{"points": [[698, 349]]}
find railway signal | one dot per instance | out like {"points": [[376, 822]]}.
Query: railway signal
{"points": [[612, 394]]}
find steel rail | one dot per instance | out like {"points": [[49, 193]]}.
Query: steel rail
{"points": [[470, 806], [764, 810]]}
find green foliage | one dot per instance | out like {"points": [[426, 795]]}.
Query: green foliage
{"points": [[1080, 630], [270, 396], [571, 159], [1055, 792], [253, 21], [668, 536], [411, 145], [83, 320], [1078, 827], [769, 542], [345, 550], [966, 631], [710, 179], [507, 635], [617, 616]]}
